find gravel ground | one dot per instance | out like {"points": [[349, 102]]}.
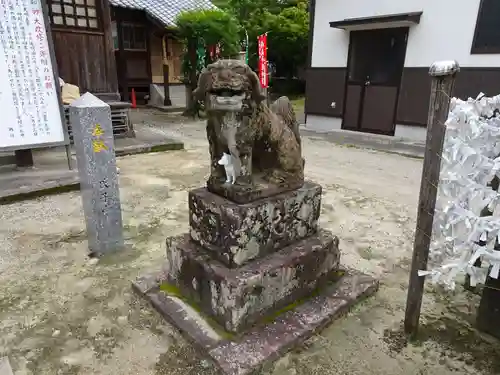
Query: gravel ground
{"points": [[61, 313]]}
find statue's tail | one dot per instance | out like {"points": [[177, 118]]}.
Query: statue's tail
{"points": [[284, 109]]}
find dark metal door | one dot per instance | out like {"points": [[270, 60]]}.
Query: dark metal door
{"points": [[376, 60]]}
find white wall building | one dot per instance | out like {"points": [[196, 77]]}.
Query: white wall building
{"points": [[369, 60]]}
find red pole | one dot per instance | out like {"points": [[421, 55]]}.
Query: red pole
{"points": [[134, 101]]}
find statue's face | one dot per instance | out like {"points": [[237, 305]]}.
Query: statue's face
{"points": [[230, 91], [225, 102]]}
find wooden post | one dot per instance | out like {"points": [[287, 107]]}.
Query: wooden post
{"points": [[122, 63], [24, 158], [193, 79], [166, 80], [166, 101], [443, 78], [489, 307]]}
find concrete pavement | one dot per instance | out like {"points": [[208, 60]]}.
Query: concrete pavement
{"points": [[383, 143]]}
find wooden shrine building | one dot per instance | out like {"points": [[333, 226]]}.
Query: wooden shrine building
{"points": [[108, 47], [81, 31]]}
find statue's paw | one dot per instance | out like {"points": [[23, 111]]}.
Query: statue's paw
{"points": [[275, 177], [243, 181]]}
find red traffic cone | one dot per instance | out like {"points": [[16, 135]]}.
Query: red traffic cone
{"points": [[134, 100]]}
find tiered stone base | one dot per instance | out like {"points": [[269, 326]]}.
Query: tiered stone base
{"points": [[240, 297], [248, 353], [254, 277]]}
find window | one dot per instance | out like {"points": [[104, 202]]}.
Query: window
{"points": [[134, 37], [487, 34], [74, 13]]}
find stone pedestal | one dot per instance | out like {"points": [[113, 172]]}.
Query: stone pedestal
{"points": [[254, 275], [238, 233]]}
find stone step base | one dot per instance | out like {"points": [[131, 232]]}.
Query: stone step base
{"points": [[238, 298], [238, 233], [263, 344]]}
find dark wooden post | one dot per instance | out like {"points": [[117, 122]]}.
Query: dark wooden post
{"points": [[166, 79], [489, 307], [443, 78], [166, 85], [111, 68], [24, 158], [122, 61], [193, 78]]}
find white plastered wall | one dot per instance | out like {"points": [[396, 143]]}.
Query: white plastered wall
{"points": [[445, 32]]}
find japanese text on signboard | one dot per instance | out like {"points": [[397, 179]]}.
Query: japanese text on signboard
{"points": [[28, 97]]}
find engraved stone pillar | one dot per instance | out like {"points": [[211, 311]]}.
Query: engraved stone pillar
{"points": [[90, 120]]}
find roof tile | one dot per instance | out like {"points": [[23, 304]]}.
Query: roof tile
{"points": [[164, 11]]}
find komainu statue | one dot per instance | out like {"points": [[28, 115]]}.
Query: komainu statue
{"points": [[264, 143]]}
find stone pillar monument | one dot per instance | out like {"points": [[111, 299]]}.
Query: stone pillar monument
{"points": [[255, 264], [90, 120]]}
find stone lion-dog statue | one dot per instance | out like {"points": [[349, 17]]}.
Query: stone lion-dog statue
{"points": [[264, 143]]}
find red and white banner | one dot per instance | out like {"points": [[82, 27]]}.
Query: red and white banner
{"points": [[263, 64], [214, 51]]}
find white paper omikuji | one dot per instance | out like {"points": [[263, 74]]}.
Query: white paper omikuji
{"points": [[470, 161]]}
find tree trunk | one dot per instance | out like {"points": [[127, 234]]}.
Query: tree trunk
{"points": [[191, 104]]}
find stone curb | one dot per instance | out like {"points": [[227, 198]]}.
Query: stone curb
{"points": [[146, 149], [73, 183], [32, 192], [168, 109]]}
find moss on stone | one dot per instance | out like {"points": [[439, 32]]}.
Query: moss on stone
{"points": [[334, 277], [171, 290], [175, 291]]}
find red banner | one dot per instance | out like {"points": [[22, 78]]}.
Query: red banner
{"points": [[263, 64], [214, 51]]}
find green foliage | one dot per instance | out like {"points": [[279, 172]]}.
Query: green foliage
{"points": [[287, 25], [199, 29], [213, 26], [221, 4], [288, 39]]}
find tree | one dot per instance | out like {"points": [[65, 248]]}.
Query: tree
{"points": [[287, 25], [288, 39], [199, 29]]}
